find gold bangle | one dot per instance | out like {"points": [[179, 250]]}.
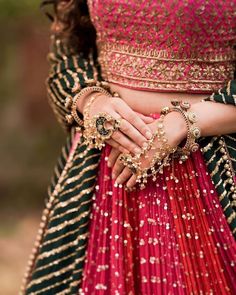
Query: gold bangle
{"points": [[72, 103], [193, 131]]}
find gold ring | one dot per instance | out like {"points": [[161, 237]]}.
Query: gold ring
{"points": [[100, 120]]}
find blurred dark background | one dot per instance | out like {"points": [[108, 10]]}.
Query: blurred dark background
{"points": [[30, 139]]}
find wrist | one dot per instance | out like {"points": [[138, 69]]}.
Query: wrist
{"points": [[84, 94], [81, 103], [175, 128]]}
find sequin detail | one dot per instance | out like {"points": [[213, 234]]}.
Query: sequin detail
{"points": [[166, 45], [170, 238]]}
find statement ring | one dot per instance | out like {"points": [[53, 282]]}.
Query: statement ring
{"points": [[106, 125]]}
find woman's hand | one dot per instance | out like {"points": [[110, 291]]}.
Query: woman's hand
{"points": [[175, 132], [133, 131]]}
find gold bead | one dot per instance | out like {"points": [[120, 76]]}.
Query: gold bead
{"points": [[226, 166], [222, 150], [34, 251], [185, 105], [42, 225], [31, 258], [68, 102], [45, 213], [230, 181], [232, 188], [175, 102], [196, 132], [69, 119], [76, 88], [234, 203], [228, 173], [165, 110], [40, 232], [192, 117], [90, 82]]}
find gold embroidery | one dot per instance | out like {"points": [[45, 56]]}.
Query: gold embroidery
{"points": [[164, 70], [58, 250], [48, 242], [46, 289]]}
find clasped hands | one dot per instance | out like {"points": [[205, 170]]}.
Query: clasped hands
{"points": [[134, 132]]}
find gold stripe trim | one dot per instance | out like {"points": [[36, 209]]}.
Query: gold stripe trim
{"points": [[231, 217], [58, 250], [66, 223], [48, 242]]}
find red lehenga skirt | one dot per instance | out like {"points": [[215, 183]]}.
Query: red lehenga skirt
{"points": [[170, 238]]}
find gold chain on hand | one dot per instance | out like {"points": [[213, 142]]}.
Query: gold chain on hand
{"points": [[96, 131], [160, 159], [164, 152]]}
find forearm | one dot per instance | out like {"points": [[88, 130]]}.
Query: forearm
{"points": [[69, 73], [215, 118]]}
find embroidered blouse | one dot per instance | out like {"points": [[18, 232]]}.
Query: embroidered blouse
{"points": [[170, 45]]}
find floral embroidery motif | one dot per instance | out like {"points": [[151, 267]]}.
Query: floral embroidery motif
{"points": [[158, 71], [166, 45]]}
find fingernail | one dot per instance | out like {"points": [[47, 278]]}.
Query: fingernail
{"points": [[145, 144], [129, 186], [148, 135], [109, 164], [115, 184], [137, 150]]}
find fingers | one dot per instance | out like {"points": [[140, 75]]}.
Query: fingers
{"points": [[146, 119], [113, 156], [117, 169], [121, 141], [123, 176], [120, 173], [127, 113], [131, 182], [125, 142], [117, 146], [132, 133]]}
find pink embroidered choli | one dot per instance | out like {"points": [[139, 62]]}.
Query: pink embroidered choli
{"points": [[184, 46]]}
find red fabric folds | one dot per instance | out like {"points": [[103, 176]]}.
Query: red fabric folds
{"points": [[170, 238]]}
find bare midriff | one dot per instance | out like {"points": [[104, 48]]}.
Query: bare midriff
{"points": [[147, 102]]}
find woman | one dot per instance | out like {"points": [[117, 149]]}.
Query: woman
{"points": [[175, 235]]}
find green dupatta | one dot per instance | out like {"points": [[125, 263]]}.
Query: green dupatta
{"points": [[56, 265]]}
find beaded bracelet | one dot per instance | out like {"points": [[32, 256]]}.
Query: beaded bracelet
{"points": [[161, 158], [95, 131], [193, 131]]}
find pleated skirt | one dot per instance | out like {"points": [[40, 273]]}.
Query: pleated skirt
{"points": [[169, 238]]}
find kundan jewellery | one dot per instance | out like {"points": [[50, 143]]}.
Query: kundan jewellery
{"points": [[160, 159], [164, 152], [193, 131], [72, 103], [100, 127]]}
